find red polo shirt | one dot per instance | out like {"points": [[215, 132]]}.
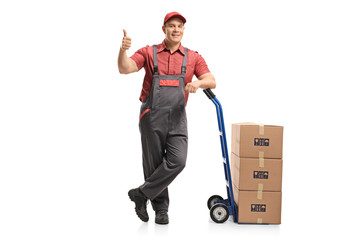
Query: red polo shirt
{"points": [[169, 64]]}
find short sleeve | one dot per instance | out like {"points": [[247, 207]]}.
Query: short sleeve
{"points": [[200, 66], [139, 57]]}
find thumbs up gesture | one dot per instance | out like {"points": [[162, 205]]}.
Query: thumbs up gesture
{"points": [[126, 42]]}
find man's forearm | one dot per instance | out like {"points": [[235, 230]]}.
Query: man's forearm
{"points": [[207, 82], [123, 62], [204, 81]]}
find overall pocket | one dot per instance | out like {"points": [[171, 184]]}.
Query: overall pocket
{"points": [[168, 83], [144, 112]]}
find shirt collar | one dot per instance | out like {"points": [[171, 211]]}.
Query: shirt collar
{"points": [[161, 47]]}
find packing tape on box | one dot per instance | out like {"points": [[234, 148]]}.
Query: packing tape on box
{"points": [[261, 129], [259, 220], [260, 190], [261, 159]]}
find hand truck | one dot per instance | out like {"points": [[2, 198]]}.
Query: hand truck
{"points": [[221, 209]]}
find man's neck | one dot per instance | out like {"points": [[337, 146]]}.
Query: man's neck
{"points": [[172, 46]]}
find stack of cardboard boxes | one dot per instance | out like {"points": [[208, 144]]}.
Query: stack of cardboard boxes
{"points": [[256, 170]]}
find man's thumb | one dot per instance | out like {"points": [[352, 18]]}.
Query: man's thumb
{"points": [[125, 33]]}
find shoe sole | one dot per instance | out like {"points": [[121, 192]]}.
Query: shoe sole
{"points": [[162, 223], [144, 219]]}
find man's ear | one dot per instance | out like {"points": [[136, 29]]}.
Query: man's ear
{"points": [[163, 28]]}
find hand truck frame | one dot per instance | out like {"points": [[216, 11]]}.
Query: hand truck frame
{"points": [[221, 209]]}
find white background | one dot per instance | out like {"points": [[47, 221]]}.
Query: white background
{"points": [[69, 141]]}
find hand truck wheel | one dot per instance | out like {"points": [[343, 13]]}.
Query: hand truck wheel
{"points": [[212, 200], [219, 213]]}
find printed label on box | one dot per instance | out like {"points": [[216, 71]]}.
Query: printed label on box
{"points": [[261, 175], [258, 207], [261, 142]]}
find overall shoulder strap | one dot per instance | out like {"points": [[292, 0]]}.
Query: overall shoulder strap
{"points": [[156, 69], [183, 67]]}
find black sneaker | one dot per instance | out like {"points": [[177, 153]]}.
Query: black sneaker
{"points": [[161, 217], [140, 200]]}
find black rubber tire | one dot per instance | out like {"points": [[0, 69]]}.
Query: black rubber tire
{"points": [[213, 199], [219, 213]]}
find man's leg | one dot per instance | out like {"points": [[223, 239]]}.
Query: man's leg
{"points": [[172, 164], [164, 157], [153, 148], [153, 157]]}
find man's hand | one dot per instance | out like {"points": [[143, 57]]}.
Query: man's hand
{"points": [[192, 87], [126, 42]]}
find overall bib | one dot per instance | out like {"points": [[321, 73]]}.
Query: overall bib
{"points": [[163, 128]]}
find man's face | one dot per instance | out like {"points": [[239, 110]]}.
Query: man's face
{"points": [[174, 30]]}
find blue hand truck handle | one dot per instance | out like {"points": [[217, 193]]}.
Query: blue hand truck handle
{"points": [[209, 93], [230, 201]]}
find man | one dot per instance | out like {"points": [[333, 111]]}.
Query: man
{"points": [[169, 68]]}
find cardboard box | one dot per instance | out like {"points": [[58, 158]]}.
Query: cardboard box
{"points": [[252, 174], [258, 206], [251, 140]]}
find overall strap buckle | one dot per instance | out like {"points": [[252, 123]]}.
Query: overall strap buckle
{"points": [[183, 67]]}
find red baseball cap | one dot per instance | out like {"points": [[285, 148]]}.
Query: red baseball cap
{"points": [[172, 15]]}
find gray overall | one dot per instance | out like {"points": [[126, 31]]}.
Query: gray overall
{"points": [[163, 128]]}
